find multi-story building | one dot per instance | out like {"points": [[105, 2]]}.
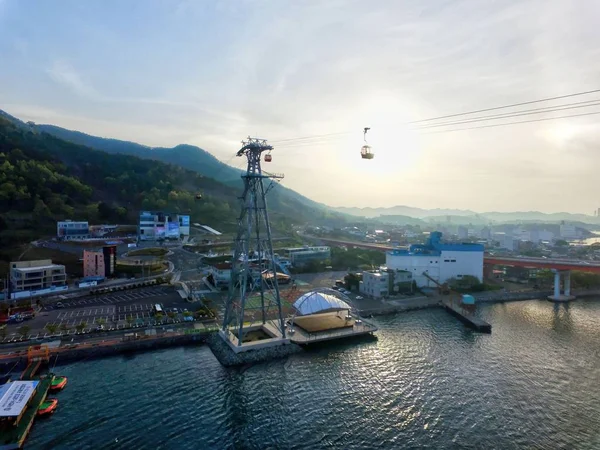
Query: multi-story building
{"points": [[154, 226], [568, 231], [374, 284], [68, 230], [438, 261], [100, 263], [36, 275], [301, 256]]}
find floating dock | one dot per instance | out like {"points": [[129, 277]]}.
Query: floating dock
{"points": [[13, 437], [469, 319]]}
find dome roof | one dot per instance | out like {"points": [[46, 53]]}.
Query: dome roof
{"points": [[316, 302]]}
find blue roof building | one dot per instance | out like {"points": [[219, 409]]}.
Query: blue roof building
{"points": [[436, 261]]}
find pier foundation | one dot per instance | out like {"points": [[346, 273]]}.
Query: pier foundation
{"points": [[565, 296]]}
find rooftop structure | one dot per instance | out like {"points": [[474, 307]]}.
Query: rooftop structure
{"points": [[317, 302]]}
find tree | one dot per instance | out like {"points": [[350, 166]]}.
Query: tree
{"points": [[100, 321], [3, 331], [51, 327], [129, 320], [171, 315], [24, 330], [64, 327], [187, 314], [80, 327]]}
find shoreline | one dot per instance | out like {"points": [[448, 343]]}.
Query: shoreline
{"points": [[113, 346]]}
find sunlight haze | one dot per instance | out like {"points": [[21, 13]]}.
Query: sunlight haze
{"points": [[210, 73]]}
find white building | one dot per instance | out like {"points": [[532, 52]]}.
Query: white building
{"points": [[463, 232], [154, 226], [374, 284], [69, 230], [438, 261], [36, 276], [568, 231]]}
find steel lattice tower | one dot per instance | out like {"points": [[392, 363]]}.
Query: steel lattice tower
{"points": [[251, 293]]}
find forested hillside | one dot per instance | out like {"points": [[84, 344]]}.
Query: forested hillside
{"points": [[44, 179]]}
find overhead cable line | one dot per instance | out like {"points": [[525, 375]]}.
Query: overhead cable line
{"points": [[505, 106], [545, 110], [423, 121], [514, 123]]}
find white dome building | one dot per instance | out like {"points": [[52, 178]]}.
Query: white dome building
{"points": [[315, 302]]}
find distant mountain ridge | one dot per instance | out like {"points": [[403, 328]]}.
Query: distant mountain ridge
{"points": [[466, 216]]}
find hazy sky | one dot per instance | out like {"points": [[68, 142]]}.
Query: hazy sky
{"points": [[211, 72]]}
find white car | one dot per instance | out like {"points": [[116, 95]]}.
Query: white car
{"points": [[358, 297]]}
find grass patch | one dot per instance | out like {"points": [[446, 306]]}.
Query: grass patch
{"points": [[153, 251], [154, 268]]}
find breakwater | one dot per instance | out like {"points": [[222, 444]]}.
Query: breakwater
{"points": [[67, 354]]}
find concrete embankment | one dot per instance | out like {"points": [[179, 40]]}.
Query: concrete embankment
{"points": [[228, 358], [67, 354], [396, 306]]}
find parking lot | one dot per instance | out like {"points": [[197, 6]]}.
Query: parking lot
{"points": [[114, 298]]}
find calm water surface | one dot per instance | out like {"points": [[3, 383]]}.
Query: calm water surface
{"points": [[427, 382]]}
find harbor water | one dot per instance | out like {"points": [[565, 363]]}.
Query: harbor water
{"points": [[426, 382]]}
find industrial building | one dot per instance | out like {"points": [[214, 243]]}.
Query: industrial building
{"points": [[36, 276], [153, 226], [438, 261], [100, 263], [69, 230], [300, 256]]}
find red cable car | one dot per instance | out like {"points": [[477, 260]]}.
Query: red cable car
{"points": [[268, 157]]}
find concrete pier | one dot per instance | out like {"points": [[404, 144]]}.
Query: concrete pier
{"points": [[565, 296], [473, 322]]}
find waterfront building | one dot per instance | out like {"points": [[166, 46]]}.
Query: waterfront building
{"points": [[300, 256], [383, 282], [219, 274], [153, 226], [438, 261], [36, 275], [101, 262], [69, 230]]}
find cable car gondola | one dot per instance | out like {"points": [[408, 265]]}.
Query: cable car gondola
{"points": [[198, 196], [268, 157], [365, 151]]}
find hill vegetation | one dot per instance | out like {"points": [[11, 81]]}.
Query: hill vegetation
{"points": [[44, 179]]}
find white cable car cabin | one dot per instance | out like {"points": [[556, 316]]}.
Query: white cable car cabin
{"points": [[365, 152]]}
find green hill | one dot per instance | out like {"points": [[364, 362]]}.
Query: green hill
{"points": [[187, 156], [44, 179]]}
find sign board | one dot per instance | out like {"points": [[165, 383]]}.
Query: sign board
{"points": [[14, 398], [173, 229], [25, 294], [185, 221], [88, 284], [131, 245]]}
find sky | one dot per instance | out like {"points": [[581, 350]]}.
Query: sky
{"points": [[210, 73]]}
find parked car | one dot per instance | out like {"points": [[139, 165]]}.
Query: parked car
{"points": [[60, 305]]}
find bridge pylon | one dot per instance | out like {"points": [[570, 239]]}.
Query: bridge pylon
{"points": [[565, 295]]}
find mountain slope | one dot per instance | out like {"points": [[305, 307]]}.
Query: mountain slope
{"points": [[188, 156], [44, 179]]}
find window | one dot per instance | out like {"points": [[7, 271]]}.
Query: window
{"points": [[452, 260]]}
